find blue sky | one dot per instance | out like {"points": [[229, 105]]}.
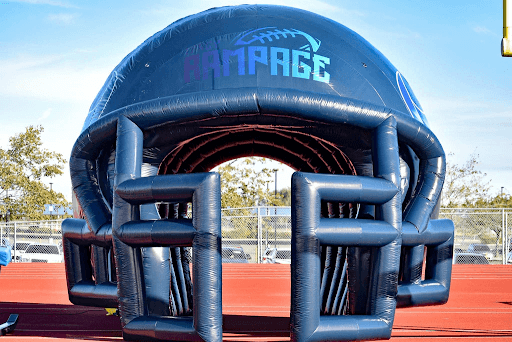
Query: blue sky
{"points": [[56, 55]]}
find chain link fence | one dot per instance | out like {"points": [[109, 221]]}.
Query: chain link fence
{"points": [[45, 237], [259, 231], [481, 235], [263, 234]]}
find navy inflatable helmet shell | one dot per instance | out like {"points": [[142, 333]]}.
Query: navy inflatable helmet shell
{"points": [[269, 81], [255, 46]]}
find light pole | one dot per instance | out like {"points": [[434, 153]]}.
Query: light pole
{"points": [[51, 203], [275, 184], [6, 208]]}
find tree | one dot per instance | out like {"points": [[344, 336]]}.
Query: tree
{"points": [[242, 185], [286, 196], [23, 165], [245, 183], [498, 201], [464, 185]]}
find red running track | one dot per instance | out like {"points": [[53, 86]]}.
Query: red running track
{"points": [[256, 302]]}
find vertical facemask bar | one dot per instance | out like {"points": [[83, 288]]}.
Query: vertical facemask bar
{"points": [[386, 165], [207, 266], [309, 231], [305, 267], [128, 163]]}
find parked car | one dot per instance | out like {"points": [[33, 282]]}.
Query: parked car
{"points": [[5, 242], [480, 248], [38, 252], [470, 258], [19, 248], [234, 255], [277, 256]]}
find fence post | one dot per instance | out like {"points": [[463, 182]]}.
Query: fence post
{"points": [[507, 243], [260, 236], [503, 242], [14, 245]]}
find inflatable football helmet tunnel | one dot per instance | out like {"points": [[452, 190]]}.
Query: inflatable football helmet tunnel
{"points": [[263, 81]]}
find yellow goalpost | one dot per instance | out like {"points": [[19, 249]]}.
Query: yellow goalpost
{"points": [[506, 42]]}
